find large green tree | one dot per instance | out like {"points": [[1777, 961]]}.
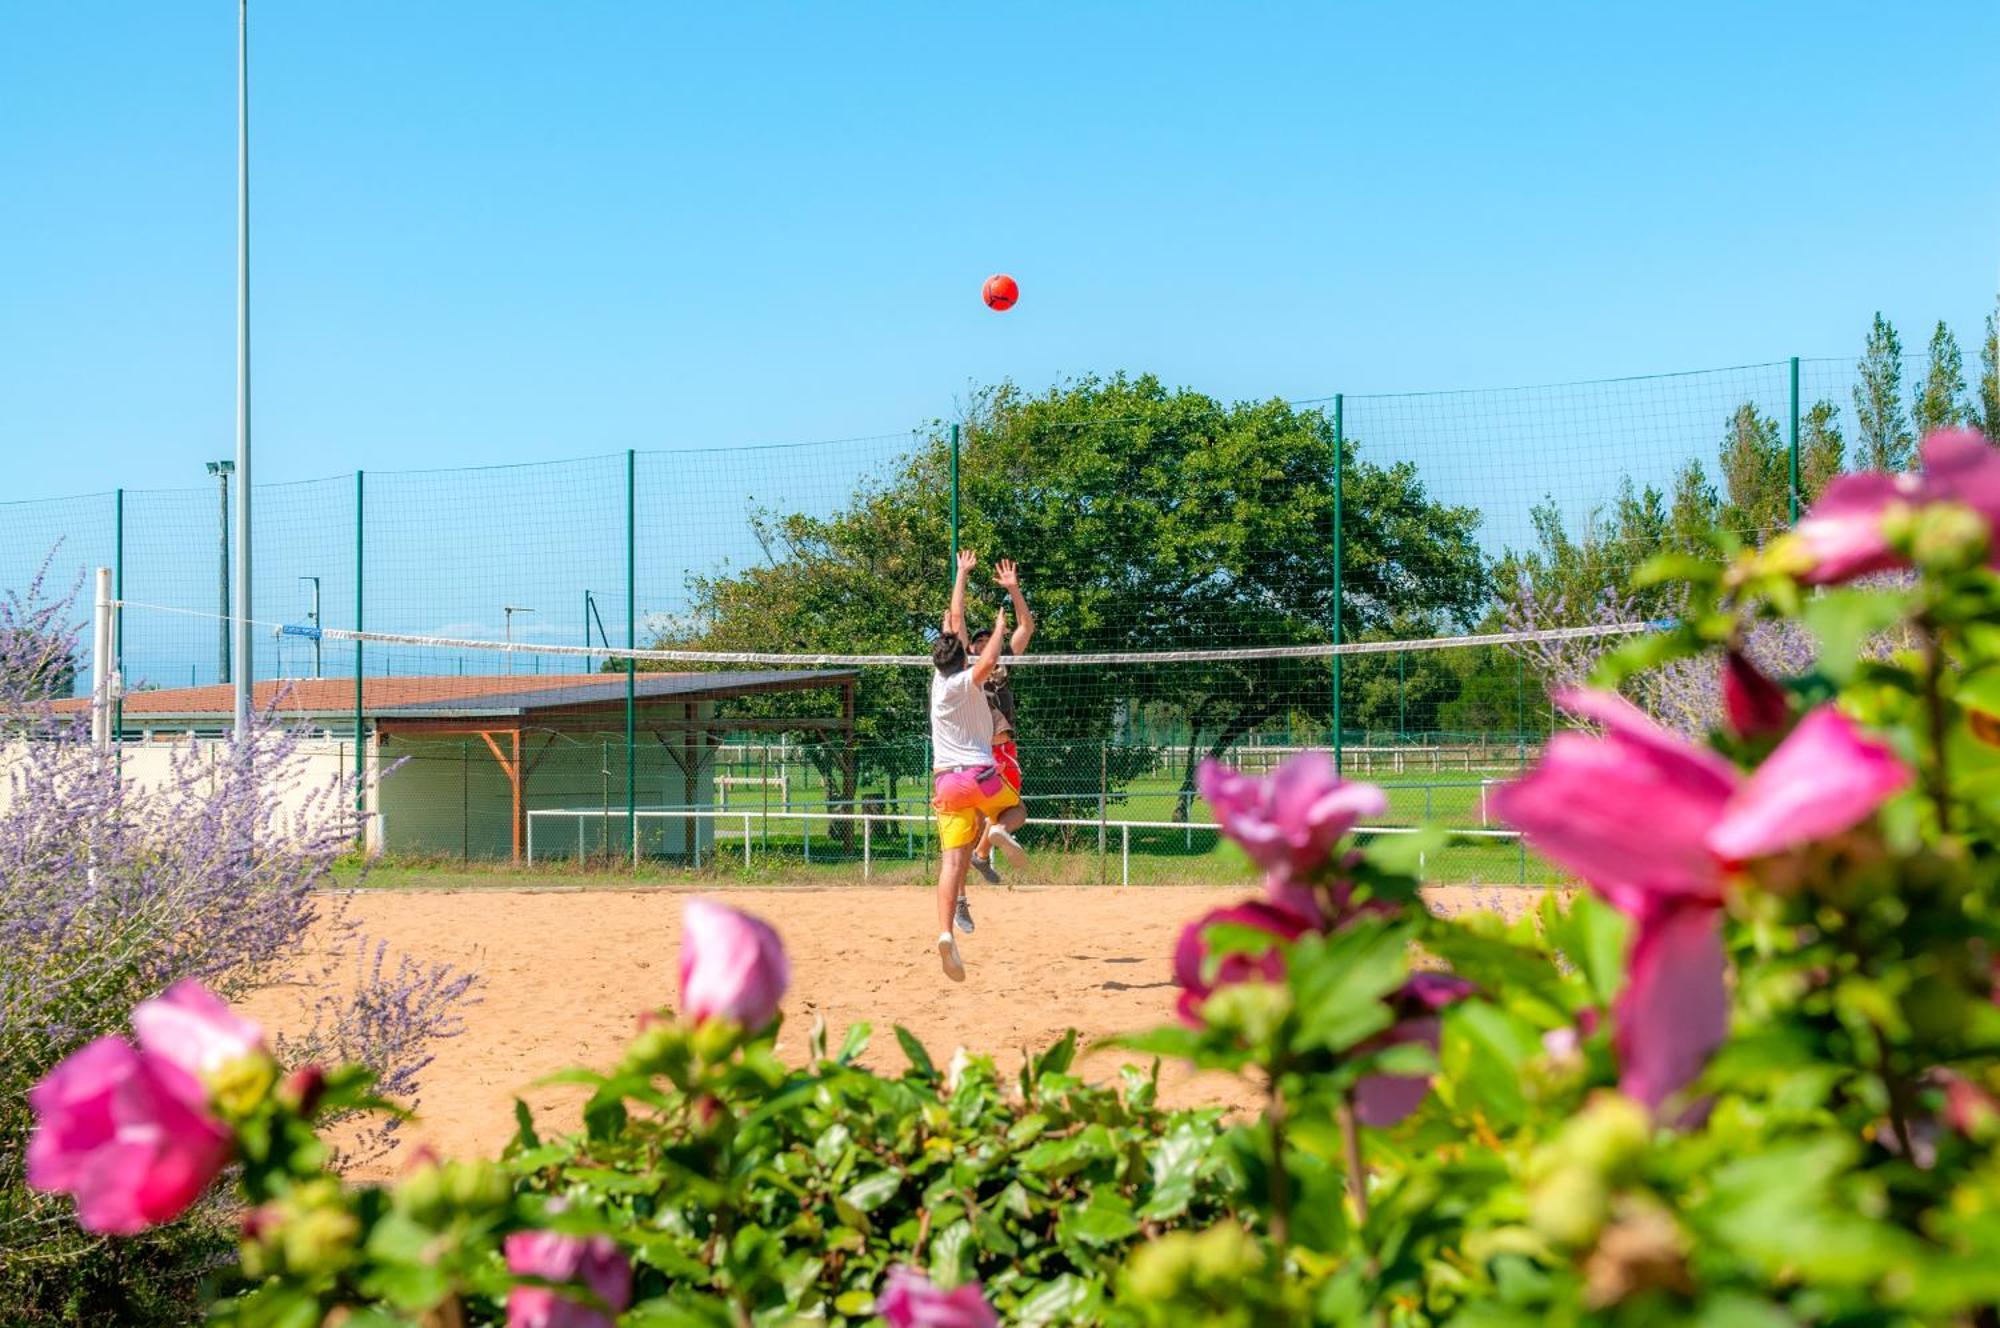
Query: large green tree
{"points": [[1882, 430], [1144, 519], [1940, 402]]}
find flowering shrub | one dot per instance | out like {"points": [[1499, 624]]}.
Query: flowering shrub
{"points": [[709, 1184], [1750, 1075]]}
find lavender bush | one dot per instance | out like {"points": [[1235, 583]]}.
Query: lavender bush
{"points": [[1683, 694], [111, 889]]}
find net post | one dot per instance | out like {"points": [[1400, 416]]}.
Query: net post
{"points": [[360, 762], [118, 620], [1339, 465], [631, 643], [954, 500], [1795, 441]]}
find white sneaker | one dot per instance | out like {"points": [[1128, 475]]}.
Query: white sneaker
{"points": [[1004, 838], [954, 967]]}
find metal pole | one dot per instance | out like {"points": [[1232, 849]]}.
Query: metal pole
{"points": [[360, 582], [222, 470], [954, 502], [631, 643], [245, 666], [118, 616], [1339, 465], [1795, 440], [100, 662]]}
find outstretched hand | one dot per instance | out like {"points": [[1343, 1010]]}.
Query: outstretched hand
{"points": [[967, 560], [1005, 573]]}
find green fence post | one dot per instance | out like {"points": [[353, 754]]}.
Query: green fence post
{"points": [[1795, 440], [1339, 465], [360, 761], [1402, 702], [118, 623], [632, 643], [954, 500]]}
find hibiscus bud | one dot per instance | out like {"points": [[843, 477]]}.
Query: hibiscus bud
{"points": [[477, 1186], [911, 1300], [1754, 706], [1252, 1010], [256, 1252], [1948, 537], [1223, 1255], [316, 1231], [303, 1088], [708, 1109], [733, 966], [1608, 1135], [1567, 1204]]}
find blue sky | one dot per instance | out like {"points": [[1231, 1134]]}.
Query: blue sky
{"points": [[510, 231]]}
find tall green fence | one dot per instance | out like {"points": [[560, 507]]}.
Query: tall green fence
{"points": [[1175, 528]]}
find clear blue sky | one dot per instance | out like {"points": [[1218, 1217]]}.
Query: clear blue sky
{"points": [[506, 231]]}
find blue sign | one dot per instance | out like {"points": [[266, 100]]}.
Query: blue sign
{"points": [[295, 629]]}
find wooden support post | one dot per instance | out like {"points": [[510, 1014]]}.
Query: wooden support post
{"points": [[511, 767]]}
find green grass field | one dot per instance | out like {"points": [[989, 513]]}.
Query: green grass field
{"points": [[789, 850]]}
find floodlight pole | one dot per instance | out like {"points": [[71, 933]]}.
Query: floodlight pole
{"points": [[509, 610], [245, 668]]}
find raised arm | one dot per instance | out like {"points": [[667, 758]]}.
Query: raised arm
{"points": [[1009, 576], [989, 657], [955, 616]]}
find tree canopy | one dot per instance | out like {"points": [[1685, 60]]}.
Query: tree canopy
{"points": [[1145, 518]]}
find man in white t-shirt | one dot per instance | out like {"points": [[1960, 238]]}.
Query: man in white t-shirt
{"points": [[966, 784]]}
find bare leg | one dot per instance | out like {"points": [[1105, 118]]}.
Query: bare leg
{"points": [[982, 848], [951, 883]]}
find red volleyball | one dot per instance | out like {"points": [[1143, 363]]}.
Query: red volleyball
{"points": [[1000, 292]]}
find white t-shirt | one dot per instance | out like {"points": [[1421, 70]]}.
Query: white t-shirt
{"points": [[961, 722]]}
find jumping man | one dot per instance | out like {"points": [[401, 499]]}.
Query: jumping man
{"points": [[1000, 698], [966, 783]]}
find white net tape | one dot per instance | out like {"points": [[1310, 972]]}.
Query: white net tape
{"points": [[1325, 650]]}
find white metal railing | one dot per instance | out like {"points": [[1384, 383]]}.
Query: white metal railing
{"points": [[583, 815]]}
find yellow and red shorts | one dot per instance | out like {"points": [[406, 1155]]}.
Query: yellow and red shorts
{"points": [[961, 797]]}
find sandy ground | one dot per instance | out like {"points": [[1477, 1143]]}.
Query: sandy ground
{"points": [[567, 972]]}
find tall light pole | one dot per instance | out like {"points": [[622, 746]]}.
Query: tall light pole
{"points": [[509, 610], [246, 669], [222, 470]]}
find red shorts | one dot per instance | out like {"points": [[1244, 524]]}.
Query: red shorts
{"points": [[1008, 758]]}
